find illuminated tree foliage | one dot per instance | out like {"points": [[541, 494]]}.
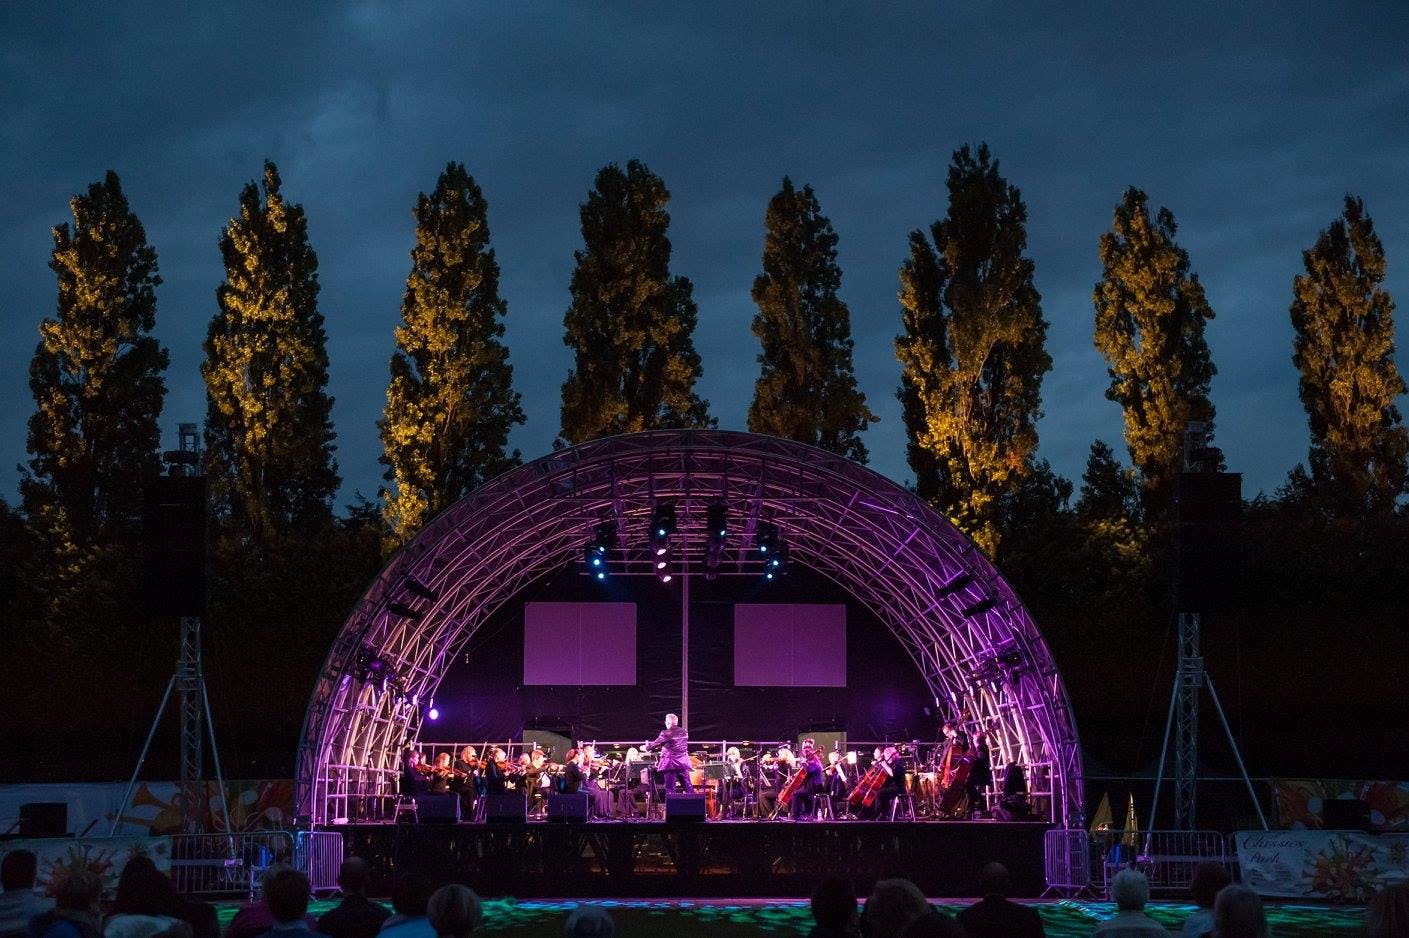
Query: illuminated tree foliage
{"points": [[807, 389], [1344, 322], [631, 324], [96, 375], [451, 404], [972, 352], [1150, 316], [269, 430]]}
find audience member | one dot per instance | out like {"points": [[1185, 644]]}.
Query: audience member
{"points": [[355, 916], [453, 911], [1130, 890], [834, 909], [1208, 879], [892, 906], [933, 924], [287, 894], [76, 913], [1388, 915], [146, 904], [409, 897], [590, 921], [18, 902], [1238, 913], [994, 916], [255, 918]]}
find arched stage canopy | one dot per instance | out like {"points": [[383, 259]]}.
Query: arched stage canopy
{"points": [[965, 629]]}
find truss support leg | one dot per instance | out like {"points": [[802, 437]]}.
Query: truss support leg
{"points": [[141, 759], [1233, 744]]}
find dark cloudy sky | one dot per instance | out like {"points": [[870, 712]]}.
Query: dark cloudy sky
{"points": [[1249, 121]]}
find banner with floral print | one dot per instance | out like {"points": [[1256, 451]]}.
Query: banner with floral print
{"points": [[1299, 802], [1342, 866], [58, 857], [155, 807]]}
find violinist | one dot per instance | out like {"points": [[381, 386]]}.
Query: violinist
{"points": [[413, 773], [495, 774], [441, 775], [627, 786], [735, 781], [838, 778], [575, 772]]}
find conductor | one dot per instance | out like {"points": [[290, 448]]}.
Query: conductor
{"points": [[674, 761]]}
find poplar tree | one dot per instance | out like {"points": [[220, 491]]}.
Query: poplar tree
{"points": [[96, 376], [450, 404], [269, 430], [973, 349], [631, 324], [1150, 316], [1344, 322], [807, 389]]}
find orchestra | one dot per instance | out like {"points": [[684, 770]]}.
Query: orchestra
{"points": [[745, 782]]}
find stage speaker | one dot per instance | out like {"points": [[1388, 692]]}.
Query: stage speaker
{"points": [[508, 808], [568, 807], [173, 548], [686, 809], [44, 819], [1345, 814], [438, 809]]}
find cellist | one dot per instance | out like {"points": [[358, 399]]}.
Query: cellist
{"points": [[892, 783], [804, 803]]}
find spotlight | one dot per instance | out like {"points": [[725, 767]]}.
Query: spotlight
{"points": [[662, 526], [600, 575], [954, 585], [777, 563], [604, 537], [765, 539], [433, 713], [661, 564], [666, 578], [594, 557], [717, 522], [403, 610]]}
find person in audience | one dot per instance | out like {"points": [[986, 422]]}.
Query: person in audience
{"points": [[454, 911], [1238, 913], [355, 916], [287, 894], [1388, 915], [18, 902], [590, 921], [994, 916], [1130, 890], [893, 904], [76, 913], [409, 897], [934, 924], [1208, 879], [834, 909], [146, 905], [255, 918]]}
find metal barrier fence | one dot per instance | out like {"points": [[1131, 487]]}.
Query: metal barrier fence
{"points": [[1167, 858], [218, 865], [319, 854], [1066, 860]]}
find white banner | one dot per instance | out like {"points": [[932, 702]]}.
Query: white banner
{"points": [[1345, 866], [106, 856]]}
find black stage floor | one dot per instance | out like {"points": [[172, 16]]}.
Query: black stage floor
{"points": [[717, 858]]}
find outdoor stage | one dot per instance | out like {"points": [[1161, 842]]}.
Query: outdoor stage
{"points": [[716, 858]]}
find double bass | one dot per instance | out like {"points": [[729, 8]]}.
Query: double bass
{"points": [[865, 793], [954, 775]]}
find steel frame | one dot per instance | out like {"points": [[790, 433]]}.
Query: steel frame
{"points": [[874, 538]]}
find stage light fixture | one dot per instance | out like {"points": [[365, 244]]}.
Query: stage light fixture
{"points": [[433, 713], [765, 539], [403, 610], [604, 537], [777, 563], [666, 577], [954, 585], [662, 526], [980, 607], [417, 588], [717, 522]]}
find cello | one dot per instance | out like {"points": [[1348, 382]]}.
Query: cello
{"points": [[866, 791], [785, 796]]}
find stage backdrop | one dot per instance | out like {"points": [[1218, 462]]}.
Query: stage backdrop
{"points": [[851, 673]]}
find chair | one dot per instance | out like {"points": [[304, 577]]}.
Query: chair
{"points": [[903, 807], [405, 804], [823, 811]]}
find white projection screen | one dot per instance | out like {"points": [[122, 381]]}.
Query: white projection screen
{"points": [[789, 645], [579, 643]]}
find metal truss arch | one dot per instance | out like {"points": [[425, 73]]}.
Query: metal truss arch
{"points": [[968, 633]]}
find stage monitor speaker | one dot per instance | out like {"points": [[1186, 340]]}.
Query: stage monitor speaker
{"points": [[44, 819], [555, 740], [438, 809], [1345, 814], [508, 808], [567, 808], [825, 739], [688, 809]]}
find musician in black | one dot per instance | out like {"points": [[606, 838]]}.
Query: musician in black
{"points": [[674, 761], [892, 786], [805, 799], [735, 785], [980, 775], [493, 780], [413, 774], [573, 773]]}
